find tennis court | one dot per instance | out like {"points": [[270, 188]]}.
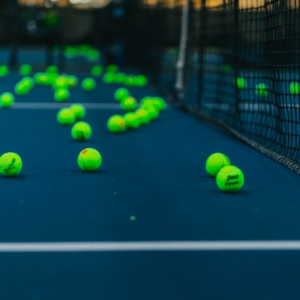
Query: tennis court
{"points": [[151, 223]]}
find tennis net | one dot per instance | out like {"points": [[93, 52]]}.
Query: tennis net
{"points": [[238, 66]]}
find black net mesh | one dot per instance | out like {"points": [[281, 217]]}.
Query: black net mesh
{"points": [[241, 70]]}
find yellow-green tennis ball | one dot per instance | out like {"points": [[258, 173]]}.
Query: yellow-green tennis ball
{"points": [[116, 123], [159, 102], [28, 81], [230, 179], [152, 110], [61, 95], [294, 88], [241, 82], [108, 78], [146, 100], [216, 162], [10, 164], [132, 121], [72, 81], [66, 116], [261, 90], [81, 131], [88, 84], [7, 100], [96, 71], [79, 110], [25, 70], [143, 115], [89, 159], [52, 69], [128, 104], [112, 68], [4, 71], [60, 82], [121, 94]]}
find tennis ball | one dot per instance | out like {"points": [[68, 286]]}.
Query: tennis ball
{"points": [[72, 81], [89, 159], [60, 83], [28, 81], [216, 162], [93, 55], [25, 70], [10, 164], [152, 110], [230, 179], [241, 83], [81, 131], [121, 94], [52, 69], [88, 84], [294, 88], [96, 71], [112, 68], [129, 103], [79, 110], [147, 100], [160, 103], [120, 77], [4, 71], [129, 80], [7, 99], [261, 90], [116, 123], [21, 88], [42, 79], [66, 116], [109, 78], [143, 115], [132, 121], [70, 52], [141, 80], [61, 95]]}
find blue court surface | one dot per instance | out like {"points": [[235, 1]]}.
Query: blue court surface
{"points": [[150, 224]]}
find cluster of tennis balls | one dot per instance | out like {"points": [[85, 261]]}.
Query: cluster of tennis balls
{"points": [[89, 159], [90, 53], [112, 76], [62, 83], [149, 109], [80, 131], [24, 86], [229, 178]]}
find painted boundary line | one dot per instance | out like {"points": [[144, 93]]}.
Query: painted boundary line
{"points": [[95, 106], [100, 106], [151, 246]]}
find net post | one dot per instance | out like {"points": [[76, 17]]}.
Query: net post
{"points": [[181, 63]]}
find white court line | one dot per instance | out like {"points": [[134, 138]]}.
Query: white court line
{"points": [[95, 106], [150, 246], [100, 106]]}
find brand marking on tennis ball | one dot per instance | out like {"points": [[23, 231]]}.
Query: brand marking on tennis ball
{"points": [[10, 166], [229, 177], [84, 151]]}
